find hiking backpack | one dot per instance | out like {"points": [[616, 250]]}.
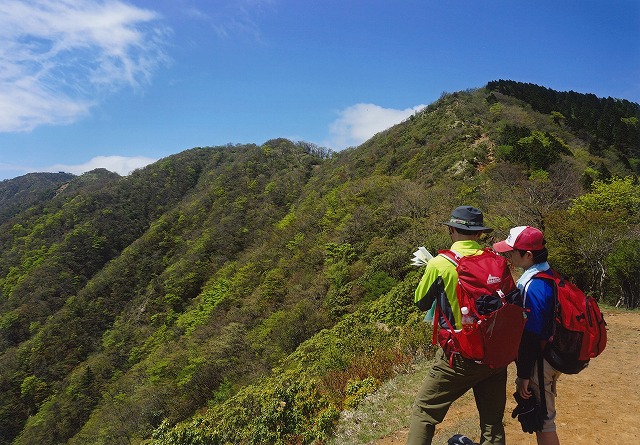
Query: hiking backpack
{"points": [[486, 288], [578, 332]]}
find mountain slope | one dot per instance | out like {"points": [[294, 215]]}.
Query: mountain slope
{"points": [[19, 194], [247, 294]]}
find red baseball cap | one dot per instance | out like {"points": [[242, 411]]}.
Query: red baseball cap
{"points": [[521, 238]]}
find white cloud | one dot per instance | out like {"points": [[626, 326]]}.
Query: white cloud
{"points": [[56, 56], [360, 122], [122, 165]]}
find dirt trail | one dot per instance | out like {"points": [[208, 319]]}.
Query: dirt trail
{"points": [[601, 405]]}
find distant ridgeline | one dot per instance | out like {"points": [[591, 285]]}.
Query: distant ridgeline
{"points": [[605, 123], [19, 194]]}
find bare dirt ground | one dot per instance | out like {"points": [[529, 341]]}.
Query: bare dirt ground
{"points": [[601, 405]]}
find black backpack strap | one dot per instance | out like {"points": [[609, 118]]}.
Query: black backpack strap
{"points": [[542, 389]]}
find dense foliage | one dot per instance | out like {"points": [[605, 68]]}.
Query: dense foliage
{"points": [[607, 124], [18, 194], [248, 294]]}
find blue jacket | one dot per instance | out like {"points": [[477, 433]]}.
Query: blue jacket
{"points": [[539, 299]]}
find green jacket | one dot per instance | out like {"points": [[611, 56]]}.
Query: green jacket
{"points": [[439, 283]]}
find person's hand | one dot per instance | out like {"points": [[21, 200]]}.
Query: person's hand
{"points": [[529, 414], [522, 388]]}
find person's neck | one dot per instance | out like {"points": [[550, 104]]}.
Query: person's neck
{"points": [[538, 266], [460, 237]]}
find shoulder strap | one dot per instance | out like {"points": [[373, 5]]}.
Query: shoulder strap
{"points": [[452, 256], [541, 386], [550, 275], [553, 277]]}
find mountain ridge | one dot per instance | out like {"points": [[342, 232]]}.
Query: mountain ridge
{"points": [[145, 308]]}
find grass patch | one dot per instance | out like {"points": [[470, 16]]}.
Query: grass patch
{"points": [[387, 411], [383, 412]]}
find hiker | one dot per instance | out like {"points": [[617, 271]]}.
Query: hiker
{"points": [[452, 375], [525, 248]]}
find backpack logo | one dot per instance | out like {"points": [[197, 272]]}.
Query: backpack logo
{"points": [[493, 280]]}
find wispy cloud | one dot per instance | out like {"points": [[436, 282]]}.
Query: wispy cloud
{"points": [[58, 56], [122, 165], [233, 18], [360, 122]]}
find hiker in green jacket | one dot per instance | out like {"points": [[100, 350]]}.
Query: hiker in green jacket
{"points": [[452, 375]]}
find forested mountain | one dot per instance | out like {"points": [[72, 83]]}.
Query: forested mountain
{"points": [[248, 294], [18, 194], [605, 123]]}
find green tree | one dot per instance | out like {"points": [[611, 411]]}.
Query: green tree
{"points": [[623, 264], [585, 237], [33, 391], [617, 195]]}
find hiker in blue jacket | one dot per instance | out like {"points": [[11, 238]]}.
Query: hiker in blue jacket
{"points": [[525, 248]]}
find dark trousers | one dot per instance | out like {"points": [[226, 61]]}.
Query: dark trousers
{"points": [[444, 384]]}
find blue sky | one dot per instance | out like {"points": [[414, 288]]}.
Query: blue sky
{"points": [[119, 84]]}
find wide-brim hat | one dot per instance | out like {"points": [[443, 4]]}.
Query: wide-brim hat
{"points": [[467, 218]]}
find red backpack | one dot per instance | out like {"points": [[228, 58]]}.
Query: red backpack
{"points": [[579, 331], [486, 288]]}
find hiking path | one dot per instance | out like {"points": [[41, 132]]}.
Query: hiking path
{"points": [[601, 405]]}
